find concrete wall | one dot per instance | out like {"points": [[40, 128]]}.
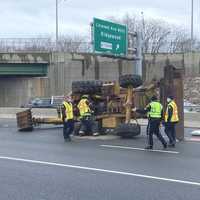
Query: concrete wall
{"points": [[154, 64], [17, 91], [24, 57], [65, 68]]}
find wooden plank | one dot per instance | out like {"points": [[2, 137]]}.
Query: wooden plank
{"points": [[112, 122], [110, 115], [24, 120]]}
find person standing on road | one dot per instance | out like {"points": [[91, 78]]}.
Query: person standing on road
{"points": [[68, 118], [154, 110], [171, 119], [87, 121]]}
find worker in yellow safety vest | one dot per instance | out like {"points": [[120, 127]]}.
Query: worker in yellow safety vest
{"points": [[154, 110], [84, 107], [68, 118], [88, 124], [171, 119]]}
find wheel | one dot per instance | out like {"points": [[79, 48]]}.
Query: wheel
{"points": [[128, 130], [75, 86], [87, 87], [130, 79]]}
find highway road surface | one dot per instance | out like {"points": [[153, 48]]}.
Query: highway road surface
{"points": [[39, 165]]}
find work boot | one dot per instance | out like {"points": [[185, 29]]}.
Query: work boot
{"points": [[171, 145], [148, 147], [164, 146], [95, 134], [68, 139], [81, 133]]}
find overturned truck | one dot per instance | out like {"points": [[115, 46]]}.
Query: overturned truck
{"points": [[113, 102]]}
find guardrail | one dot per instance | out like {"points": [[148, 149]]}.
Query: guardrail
{"points": [[192, 108]]}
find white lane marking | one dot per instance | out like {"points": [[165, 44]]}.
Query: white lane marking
{"points": [[192, 142], [139, 149], [193, 139], [100, 170]]}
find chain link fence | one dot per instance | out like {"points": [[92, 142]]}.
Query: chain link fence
{"points": [[42, 45]]}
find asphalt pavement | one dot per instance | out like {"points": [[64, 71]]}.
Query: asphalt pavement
{"points": [[39, 165]]}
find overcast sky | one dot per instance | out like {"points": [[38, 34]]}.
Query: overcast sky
{"points": [[31, 18]]}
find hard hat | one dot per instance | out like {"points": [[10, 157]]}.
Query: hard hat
{"points": [[68, 98], [170, 97], [154, 98], [85, 96]]}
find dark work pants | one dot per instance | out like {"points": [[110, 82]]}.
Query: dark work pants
{"points": [[170, 132], [148, 128], [68, 127], [88, 125], [147, 131], [154, 125]]}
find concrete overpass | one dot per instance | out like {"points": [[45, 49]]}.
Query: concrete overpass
{"points": [[20, 76], [32, 74]]}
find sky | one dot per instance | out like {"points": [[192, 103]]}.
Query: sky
{"points": [[33, 18]]}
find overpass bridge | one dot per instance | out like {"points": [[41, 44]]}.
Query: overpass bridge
{"points": [[24, 64], [21, 75]]}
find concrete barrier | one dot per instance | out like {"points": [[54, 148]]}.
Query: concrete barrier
{"points": [[10, 112]]}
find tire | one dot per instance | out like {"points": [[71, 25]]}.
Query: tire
{"points": [[128, 130], [75, 86], [130, 79], [87, 87]]}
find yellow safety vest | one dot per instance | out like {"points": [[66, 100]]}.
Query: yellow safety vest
{"points": [[84, 109], [156, 110], [174, 117], [68, 110]]}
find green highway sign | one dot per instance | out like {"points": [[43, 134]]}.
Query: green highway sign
{"points": [[109, 37]]}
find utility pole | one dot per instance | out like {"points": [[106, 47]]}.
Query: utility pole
{"points": [[143, 49], [140, 47], [192, 24], [56, 24], [139, 54]]}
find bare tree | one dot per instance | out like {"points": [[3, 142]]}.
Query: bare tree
{"points": [[70, 43], [155, 33], [179, 40], [158, 36], [66, 44]]}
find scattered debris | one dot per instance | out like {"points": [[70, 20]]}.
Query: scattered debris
{"points": [[192, 94]]}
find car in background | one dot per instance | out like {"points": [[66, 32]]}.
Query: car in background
{"points": [[57, 101], [41, 102], [38, 103], [190, 107]]}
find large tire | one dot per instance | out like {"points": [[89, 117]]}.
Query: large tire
{"points": [[87, 87], [130, 79], [128, 130]]}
